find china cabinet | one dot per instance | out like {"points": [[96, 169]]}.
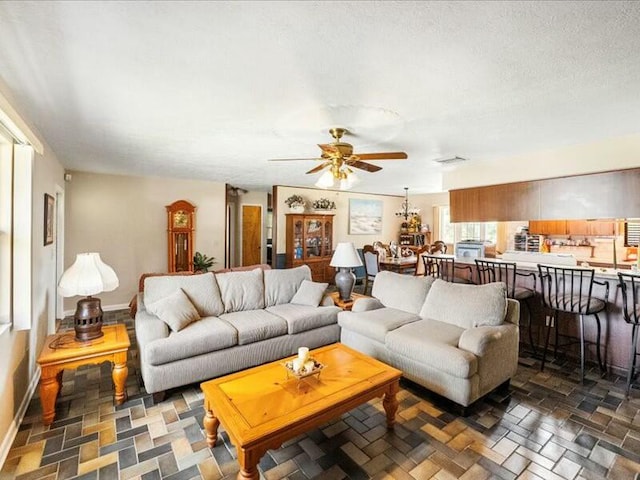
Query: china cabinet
{"points": [[180, 228], [310, 242]]}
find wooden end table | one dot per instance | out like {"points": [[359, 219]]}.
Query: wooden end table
{"points": [[346, 305], [262, 407], [63, 351]]}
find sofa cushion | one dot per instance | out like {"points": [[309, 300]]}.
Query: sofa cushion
{"points": [[255, 325], [375, 324], [301, 318], [403, 292], [206, 335], [202, 291], [435, 344], [466, 306], [280, 285], [241, 290], [175, 310], [309, 293]]}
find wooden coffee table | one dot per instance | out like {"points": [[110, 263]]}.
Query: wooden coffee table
{"points": [[261, 408], [62, 351]]}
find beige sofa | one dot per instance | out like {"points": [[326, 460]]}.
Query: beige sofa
{"points": [[242, 319], [459, 341]]}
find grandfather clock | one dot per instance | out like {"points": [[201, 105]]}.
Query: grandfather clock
{"points": [[180, 226]]}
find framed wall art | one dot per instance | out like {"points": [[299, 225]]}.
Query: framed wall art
{"points": [[49, 214], [365, 217]]}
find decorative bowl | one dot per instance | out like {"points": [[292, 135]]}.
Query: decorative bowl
{"points": [[317, 368]]}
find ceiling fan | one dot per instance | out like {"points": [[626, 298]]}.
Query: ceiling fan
{"points": [[339, 157]]}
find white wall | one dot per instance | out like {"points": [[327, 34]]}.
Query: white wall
{"points": [[125, 220], [611, 154], [390, 223], [18, 372]]}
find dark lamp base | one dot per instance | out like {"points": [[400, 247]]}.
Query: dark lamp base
{"points": [[88, 319], [345, 280]]}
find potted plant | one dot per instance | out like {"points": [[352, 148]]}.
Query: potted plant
{"points": [[202, 263], [295, 203], [324, 205]]}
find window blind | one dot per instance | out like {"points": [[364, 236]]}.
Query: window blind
{"points": [[632, 233]]}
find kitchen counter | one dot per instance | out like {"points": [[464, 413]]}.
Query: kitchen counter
{"points": [[616, 333]]}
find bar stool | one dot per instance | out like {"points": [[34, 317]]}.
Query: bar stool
{"points": [[629, 285], [444, 267], [569, 290], [497, 271]]}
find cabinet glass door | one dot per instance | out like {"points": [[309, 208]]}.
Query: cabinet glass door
{"points": [[298, 243], [313, 238], [328, 238]]}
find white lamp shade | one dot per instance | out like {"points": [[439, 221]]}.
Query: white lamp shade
{"points": [[346, 256], [325, 180], [88, 275]]}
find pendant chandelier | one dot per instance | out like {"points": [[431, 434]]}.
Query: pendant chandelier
{"points": [[406, 211]]}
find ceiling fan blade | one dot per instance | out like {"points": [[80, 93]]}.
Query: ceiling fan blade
{"points": [[329, 149], [291, 159], [382, 156], [319, 167], [363, 165]]}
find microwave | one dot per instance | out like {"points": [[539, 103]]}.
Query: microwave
{"points": [[469, 249]]}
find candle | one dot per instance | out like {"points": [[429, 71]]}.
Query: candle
{"points": [[297, 365], [308, 366], [303, 354]]}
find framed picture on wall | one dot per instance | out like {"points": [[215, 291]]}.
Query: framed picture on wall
{"points": [[365, 217], [49, 213]]}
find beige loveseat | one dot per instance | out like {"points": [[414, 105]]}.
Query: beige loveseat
{"points": [[228, 322], [459, 341]]}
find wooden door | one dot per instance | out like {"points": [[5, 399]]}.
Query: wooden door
{"points": [[251, 234]]}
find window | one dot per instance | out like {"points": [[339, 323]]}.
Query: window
{"points": [[6, 226], [455, 232], [16, 166], [632, 233]]}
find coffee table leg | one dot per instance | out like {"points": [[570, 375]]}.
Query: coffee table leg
{"points": [[390, 403], [49, 388], [210, 424], [248, 461], [119, 374]]}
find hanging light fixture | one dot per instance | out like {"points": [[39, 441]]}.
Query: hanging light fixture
{"points": [[406, 211]]}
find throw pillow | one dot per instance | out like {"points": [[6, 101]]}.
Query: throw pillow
{"points": [[176, 310], [309, 293]]}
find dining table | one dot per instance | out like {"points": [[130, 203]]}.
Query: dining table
{"points": [[400, 264]]}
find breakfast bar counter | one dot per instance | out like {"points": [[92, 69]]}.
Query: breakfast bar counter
{"points": [[616, 333]]}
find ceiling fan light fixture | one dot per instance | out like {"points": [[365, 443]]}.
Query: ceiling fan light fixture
{"points": [[325, 180]]}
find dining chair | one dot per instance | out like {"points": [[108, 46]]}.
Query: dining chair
{"points": [[438, 246], [570, 290], [444, 268], [629, 285], [371, 265], [419, 269], [489, 271]]}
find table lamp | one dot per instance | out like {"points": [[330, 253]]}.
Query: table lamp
{"points": [[345, 258], [88, 276]]}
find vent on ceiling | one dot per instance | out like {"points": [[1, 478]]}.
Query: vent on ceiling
{"points": [[450, 161]]}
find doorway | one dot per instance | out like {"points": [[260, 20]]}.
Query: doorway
{"points": [[251, 234]]}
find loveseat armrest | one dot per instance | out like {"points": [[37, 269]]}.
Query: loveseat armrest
{"points": [[513, 312], [148, 326], [366, 304], [481, 340]]}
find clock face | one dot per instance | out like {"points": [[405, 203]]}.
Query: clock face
{"points": [[180, 219]]}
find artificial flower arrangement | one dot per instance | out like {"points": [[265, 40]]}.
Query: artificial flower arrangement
{"points": [[324, 204], [295, 201]]}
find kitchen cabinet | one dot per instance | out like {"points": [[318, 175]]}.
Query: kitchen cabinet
{"points": [[591, 228], [548, 227], [309, 241]]}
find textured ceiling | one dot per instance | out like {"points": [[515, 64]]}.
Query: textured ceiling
{"points": [[212, 90]]}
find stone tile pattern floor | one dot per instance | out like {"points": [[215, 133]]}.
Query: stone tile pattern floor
{"points": [[549, 427]]}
